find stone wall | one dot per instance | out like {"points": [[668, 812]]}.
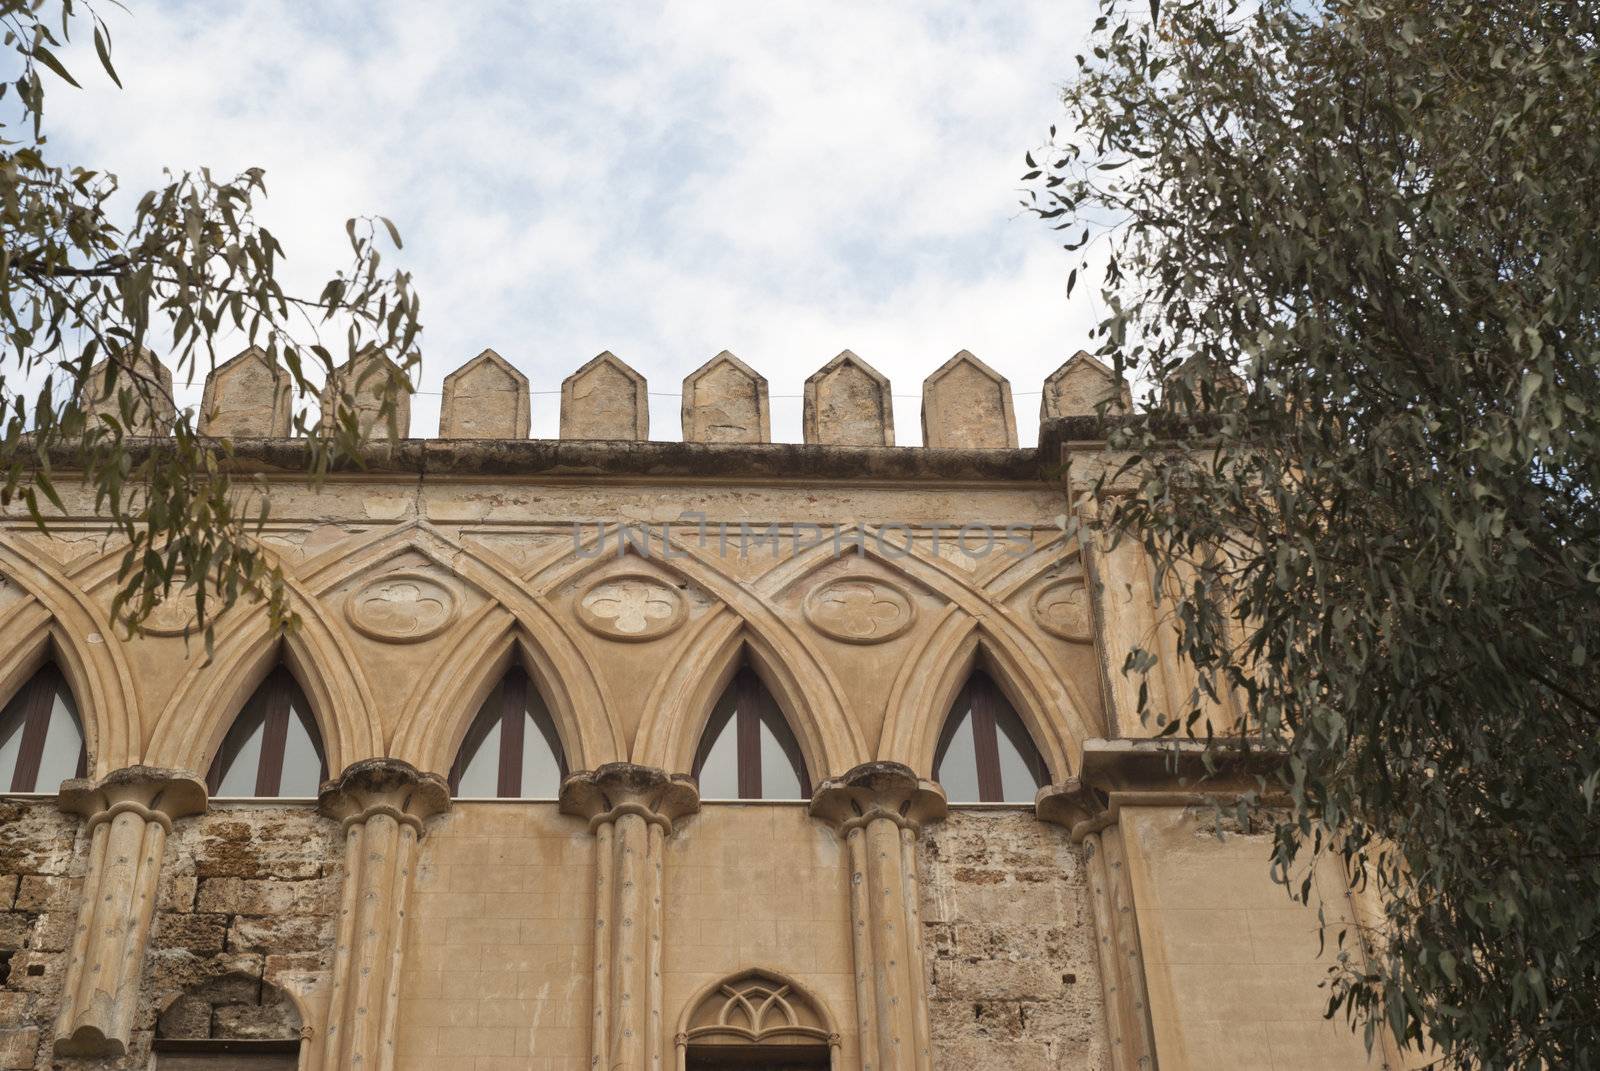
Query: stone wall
{"points": [[248, 903], [1011, 945]]}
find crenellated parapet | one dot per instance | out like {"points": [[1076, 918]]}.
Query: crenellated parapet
{"points": [[965, 403]]}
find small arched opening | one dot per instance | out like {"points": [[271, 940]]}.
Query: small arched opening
{"points": [[512, 750], [985, 752], [232, 1021], [41, 735], [273, 747], [748, 750], [756, 1021]]}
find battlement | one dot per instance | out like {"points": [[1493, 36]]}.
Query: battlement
{"points": [[966, 405]]}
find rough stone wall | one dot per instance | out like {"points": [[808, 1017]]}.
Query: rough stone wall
{"points": [[38, 894], [1011, 945], [249, 895]]}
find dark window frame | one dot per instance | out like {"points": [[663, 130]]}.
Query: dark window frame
{"points": [[512, 692], [37, 700], [983, 697], [276, 693], [751, 700]]}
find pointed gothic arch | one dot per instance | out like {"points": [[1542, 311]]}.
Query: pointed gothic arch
{"points": [[208, 700], [985, 752], [712, 651], [512, 750], [756, 1014], [272, 747], [42, 738], [748, 750], [930, 680]]}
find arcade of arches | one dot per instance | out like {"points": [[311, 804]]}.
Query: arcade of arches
{"points": [[549, 778]]}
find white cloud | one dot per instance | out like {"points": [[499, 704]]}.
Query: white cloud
{"points": [[665, 180]]}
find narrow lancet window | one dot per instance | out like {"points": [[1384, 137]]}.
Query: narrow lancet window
{"points": [[273, 747], [985, 754], [748, 751], [41, 738], [512, 750]]}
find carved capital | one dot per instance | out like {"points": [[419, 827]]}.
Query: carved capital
{"points": [[384, 786], [877, 790], [1073, 805], [153, 793], [618, 788]]}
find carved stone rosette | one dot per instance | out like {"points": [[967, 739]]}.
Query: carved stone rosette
{"points": [[878, 808], [383, 805], [630, 809], [128, 814]]}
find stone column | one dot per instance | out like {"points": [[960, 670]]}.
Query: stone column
{"points": [[129, 814], [878, 808], [1080, 811], [630, 811], [383, 804]]}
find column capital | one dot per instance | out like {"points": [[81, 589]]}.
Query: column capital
{"points": [[875, 790], [384, 786], [617, 788], [153, 793], [1076, 807]]}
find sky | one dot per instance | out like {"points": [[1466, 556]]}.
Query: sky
{"points": [[665, 180]]}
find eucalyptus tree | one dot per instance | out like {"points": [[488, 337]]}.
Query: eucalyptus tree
{"points": [[1350, 253], [89, 276]]}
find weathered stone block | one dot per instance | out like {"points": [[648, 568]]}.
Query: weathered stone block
{"points": [[147, 380], [725, 401], [486, 398], [290, 933], [848, 403], [244, 896], [247, 396], [177, 891], [1080, 385], [277, 1020], [968, 404], [8, 890], [15, 928], [605, 399], [358, 384], [19, 1046], [187, 1017], [53, 930], [283, 844], [198, 933], [44, 892]]}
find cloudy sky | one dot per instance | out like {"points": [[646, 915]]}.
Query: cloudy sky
{"points": [[664, 180]]}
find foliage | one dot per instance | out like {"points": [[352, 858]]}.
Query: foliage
{"points": [[1356, 242], [82, 293]]}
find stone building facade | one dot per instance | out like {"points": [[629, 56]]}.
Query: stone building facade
{"points": [[610, 753]]}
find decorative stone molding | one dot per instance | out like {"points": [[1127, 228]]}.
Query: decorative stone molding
{"points": [[128, 816], [630, 606], [631, 810], [755, 1007], [605, 399], [153, 409], [968, 404], [878, 808], [247, 397], [486, 398], [358, 384], [725, 401], [859, 609], [1079, 386], [383, 805], [848, 403], [403, 607]]}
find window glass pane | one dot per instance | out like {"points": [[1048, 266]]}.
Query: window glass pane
{"points": [[302, 765], [780, 759], [12, 718], [718, 764], [62, 743], [241, 751], [480, 769], [1021, 767], [541, 751], [956, 765]]}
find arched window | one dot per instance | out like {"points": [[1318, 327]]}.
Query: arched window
{"points": [[273, 748], [41, 738], [748, 751], [985, 753], [512, 750], [756, 1020]]}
